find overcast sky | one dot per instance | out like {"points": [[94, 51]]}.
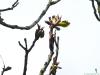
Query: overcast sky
{"points": [[79, 43]]}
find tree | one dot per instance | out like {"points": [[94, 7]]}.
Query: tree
{"points": [[54, 23]]}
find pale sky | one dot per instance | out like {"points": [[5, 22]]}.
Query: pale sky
{"points": [[79, 43]]}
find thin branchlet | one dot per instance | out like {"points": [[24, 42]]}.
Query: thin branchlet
{"points": [[38, 34], [95, 11], [50, 3]]}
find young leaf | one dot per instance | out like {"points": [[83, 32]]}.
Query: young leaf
{"points": [[63, 23]]}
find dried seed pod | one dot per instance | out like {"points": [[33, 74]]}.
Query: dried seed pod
{"points": [[41, 33]]}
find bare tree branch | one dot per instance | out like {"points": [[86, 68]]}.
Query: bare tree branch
{"points": [[21, 45], [39, 33], [4, 69], [25, 40], [26, 55], [57, 48], [95, 11], [35, 22], [13, 6], [54, 2]]}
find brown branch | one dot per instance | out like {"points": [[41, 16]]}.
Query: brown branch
{"points": [[26, 55], [13, 6], [46, 63], [57, 48], [35, 22], [39, 33], [51, 47], [55, 64]]}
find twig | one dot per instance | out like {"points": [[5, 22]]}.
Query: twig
{"points": [[4, 69], [37, 36], [95, 12], [13, 6], [50, 3], [26, 54], [25, 40], [32, 45], [55, 64], [21, 45]]}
